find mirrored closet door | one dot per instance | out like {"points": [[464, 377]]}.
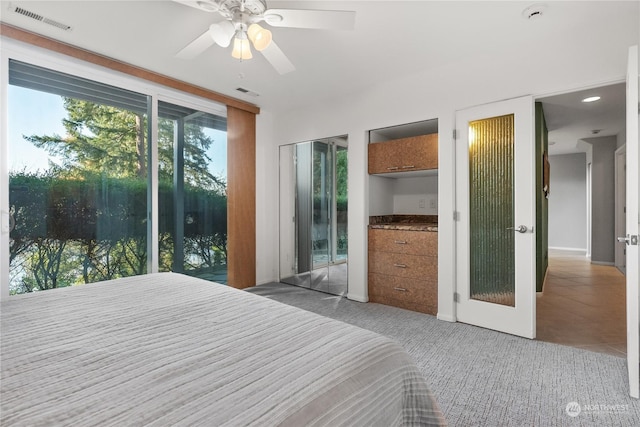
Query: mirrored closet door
{"points": [[313, 215]]}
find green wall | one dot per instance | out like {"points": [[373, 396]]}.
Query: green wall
{"points": [[542, 203]]}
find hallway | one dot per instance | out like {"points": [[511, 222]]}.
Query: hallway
{"points": [[582, 305]]}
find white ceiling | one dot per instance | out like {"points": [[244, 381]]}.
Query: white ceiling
{"points": [[569, 119], [391, 39]]}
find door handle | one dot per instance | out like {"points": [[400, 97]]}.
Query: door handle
{"points": [[519, 229], [629, 239]]}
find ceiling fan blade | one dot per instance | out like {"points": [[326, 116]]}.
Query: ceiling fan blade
{"points": [[278, 59], [196, 47], [205, 5], [316, 19]]}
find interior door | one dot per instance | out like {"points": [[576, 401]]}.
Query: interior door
{"points": [[633, 218], [495, 247]]}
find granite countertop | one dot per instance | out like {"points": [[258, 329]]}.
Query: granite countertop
{"points": [[404, 222]]}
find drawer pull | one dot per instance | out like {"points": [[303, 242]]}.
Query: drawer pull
{"points": [[400, 265], [408, 167], [393, 168], [399, 289], [400, 242]]}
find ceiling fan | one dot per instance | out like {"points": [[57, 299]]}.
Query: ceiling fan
{"points": [[240, 23]]}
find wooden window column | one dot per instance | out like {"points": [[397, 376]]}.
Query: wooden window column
{"points": [[241, 198]]}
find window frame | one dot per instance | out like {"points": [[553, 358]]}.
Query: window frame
{"points": [[13, 49]]}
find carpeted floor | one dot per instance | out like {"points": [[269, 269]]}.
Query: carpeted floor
{"points": [[486, 378]]}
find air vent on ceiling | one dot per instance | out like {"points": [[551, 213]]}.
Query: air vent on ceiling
{"points": [[24, 12], [247, 91]]}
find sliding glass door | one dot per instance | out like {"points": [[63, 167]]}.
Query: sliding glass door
{"points": [[78, 180], [192, 176], [85, 170]]}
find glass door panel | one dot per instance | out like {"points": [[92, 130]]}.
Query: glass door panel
{"points": [[491, 207], [342, 205], [323, 191], [338, 267], [322, 206], [192, 198], [78, 172]]}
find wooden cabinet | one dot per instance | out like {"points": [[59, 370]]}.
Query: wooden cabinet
{"points": [[403, 269], [404, 155]]}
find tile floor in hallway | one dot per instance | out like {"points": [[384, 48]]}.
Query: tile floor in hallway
{"points": [[582, 305]]}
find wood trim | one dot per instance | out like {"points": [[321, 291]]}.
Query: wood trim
{"points": [[241, 198], [113, 64]]}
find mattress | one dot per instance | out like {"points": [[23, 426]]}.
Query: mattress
{"points": [[168, 349]]}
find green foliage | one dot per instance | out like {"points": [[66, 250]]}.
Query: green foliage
{"points": [[98, 138], [341, 174], [86, 219], [101, 223]]}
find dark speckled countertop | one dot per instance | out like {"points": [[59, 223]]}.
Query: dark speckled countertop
{"points": [[404, 222]]}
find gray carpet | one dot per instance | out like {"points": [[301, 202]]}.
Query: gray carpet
{"points": [[486, 378]]}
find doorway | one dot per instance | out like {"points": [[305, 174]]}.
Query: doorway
{"points": [[582, 303], [495, 236], [313, 214]]}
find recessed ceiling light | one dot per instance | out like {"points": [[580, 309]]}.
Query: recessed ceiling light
{"points": [[591, 99]]}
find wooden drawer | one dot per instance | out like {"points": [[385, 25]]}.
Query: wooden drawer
{"points": [[403, 155], [403, 242], [411, 294], [403, 265]]}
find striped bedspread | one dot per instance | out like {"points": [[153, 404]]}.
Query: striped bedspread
{"points": [[167, 349]]}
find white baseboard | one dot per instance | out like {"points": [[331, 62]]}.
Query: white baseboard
{"points": [[446, 318], [358, 298], [577, 251], [612, 264]]}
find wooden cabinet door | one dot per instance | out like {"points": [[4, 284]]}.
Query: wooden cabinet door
{"points": [[404, 155], [403, 241]]}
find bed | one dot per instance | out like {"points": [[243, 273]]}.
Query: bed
{"points": [[168, 349]]}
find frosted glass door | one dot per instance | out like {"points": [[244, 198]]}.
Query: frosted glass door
{"points": [[495, 196], [491, 203]]}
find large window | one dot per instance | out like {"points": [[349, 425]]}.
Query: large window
{"points": [[80, 182]]}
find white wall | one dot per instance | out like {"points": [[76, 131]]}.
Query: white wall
{"points": [[568, 202], [416, 196], [403, 196], [267, 208], [435, 93], [603, 236], [380, 195]]}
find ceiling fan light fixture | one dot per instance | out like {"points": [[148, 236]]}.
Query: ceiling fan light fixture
{"points": [[222, 32], [260, 37], [241, 48]]}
